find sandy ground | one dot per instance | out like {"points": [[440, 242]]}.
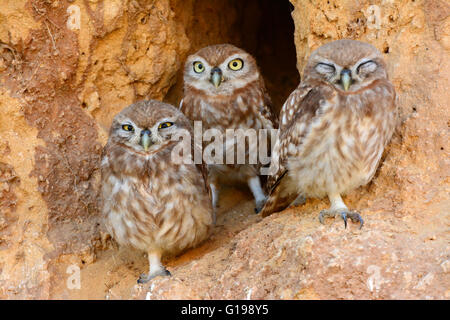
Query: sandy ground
{"points": [[114, 273]]}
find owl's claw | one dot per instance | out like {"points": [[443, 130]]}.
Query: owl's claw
{"points": [[259, 205], [356, 217], [353, 215], [144, 278]]}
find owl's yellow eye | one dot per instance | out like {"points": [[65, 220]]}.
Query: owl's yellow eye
{"points": [[165, 125], [199, 67], [236, 64], [127, 127]]}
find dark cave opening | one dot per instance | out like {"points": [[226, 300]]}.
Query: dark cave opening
{"points": [[264, 28], [268, 34]]}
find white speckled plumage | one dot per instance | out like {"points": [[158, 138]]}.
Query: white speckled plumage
{"points": [[150, 201], [240, 101], [332, 139]]}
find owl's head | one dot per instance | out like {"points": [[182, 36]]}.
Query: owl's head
{"points": [[146, 127], [348, 65], [220, 69]]}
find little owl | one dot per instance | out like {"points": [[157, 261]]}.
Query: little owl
{"points": [[151, 201], [333, 128], [224, 89]]}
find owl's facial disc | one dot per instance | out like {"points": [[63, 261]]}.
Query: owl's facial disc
{"points": [[344, 73], [146, 138], [219, 73], [234, 65], [335, 74], [354, 76], [157, 136]]}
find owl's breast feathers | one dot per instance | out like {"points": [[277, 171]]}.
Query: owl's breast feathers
{"points": [[154, 202], [334, 133], [246, 107]]}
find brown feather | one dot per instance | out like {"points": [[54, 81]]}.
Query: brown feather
{"points": [[331, 140]]}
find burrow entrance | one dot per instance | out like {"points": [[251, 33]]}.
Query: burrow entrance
{"points": [[264, 28], [268, 34]]}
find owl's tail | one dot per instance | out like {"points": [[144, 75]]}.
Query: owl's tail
{"points": [[279, 199]]}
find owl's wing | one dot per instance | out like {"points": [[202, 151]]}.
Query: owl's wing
{"points": [[301, 104], [295, 103], [300, 110], [190, 109], [204, 172], [266, 109]]}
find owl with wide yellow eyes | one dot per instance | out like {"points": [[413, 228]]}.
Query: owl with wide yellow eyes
{"points": [[333, 128], [150, 200], [224, 89]]}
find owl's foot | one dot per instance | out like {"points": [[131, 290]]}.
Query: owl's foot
{"points": [[144, 278], [255, 187], [259, 204], [353, 215]]}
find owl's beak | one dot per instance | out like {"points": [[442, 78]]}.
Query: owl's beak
{"points": [[346, 79], [216, 76], [146, 141]]}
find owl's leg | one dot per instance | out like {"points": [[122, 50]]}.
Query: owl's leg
{"points": [[338, 208], [213, 181], [156, 268], [260, 198], [214, 195]]}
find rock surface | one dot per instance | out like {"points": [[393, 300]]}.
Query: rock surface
{"points": [[67, 67]]}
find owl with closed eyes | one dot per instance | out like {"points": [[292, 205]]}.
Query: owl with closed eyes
{"points": [[152, 199], [333, 128], [224, 89]]}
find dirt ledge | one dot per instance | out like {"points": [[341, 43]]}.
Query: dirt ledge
{"points": [[66, 67]]}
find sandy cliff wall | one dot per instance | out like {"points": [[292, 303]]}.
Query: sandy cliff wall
{"points": [[67, 67]]}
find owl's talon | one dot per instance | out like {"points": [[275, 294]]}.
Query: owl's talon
{"points": [[356, 217], [353, 215], [144, 278], [344, 217], [167, 273], [322, 214], [259, 205]]}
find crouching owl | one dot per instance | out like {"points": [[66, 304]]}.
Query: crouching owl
{"points": [[333, 128], [152, 201], [224, 89]]}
